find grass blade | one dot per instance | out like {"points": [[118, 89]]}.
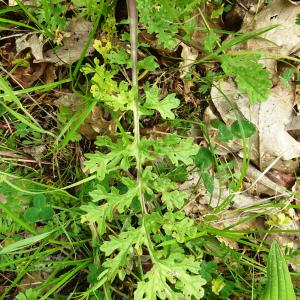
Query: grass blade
{"points": [[24, 243], [279, 284]]}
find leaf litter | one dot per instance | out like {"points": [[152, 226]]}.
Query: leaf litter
{"points": [[275, 151]]}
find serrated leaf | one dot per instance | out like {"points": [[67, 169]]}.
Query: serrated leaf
{"points": [[286, 78], [250, 76], [179, 226], [298, 19], [148, 63], [279, 284], [118, 157], [210, 41], [174, 271], [162, 184], [174, 199], [176, 149], [115, 201], [96, 214], [123, 245], [164, 106]]}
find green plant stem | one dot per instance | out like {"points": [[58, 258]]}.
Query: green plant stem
{"points": [[133, 33]]}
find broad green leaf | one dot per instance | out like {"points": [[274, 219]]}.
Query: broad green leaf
{"points": [[46, 213], [204, 158], [24, 243], [224, 132], [242, 128], [208, 181], [164, 106], [250, 76], [32, 214], [39, 201], [279, 283]]}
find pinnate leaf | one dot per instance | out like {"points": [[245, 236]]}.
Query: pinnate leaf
{"points": [[250, 76], [176, 149], [177, 270], [123, 244], [164, 106]]}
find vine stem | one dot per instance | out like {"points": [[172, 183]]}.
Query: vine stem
{"points": [[133, 34]]}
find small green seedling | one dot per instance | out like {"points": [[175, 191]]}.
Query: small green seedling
{"points": [[39, 211]]}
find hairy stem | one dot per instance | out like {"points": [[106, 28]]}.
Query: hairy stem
{"points": [[133, 34]]}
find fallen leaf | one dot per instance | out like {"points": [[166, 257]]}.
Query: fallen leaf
{"points": [[28, 76], [74, 42], [31, 40], [189, 56], [96, 123], [281, 41]]}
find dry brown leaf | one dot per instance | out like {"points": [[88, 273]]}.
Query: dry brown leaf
{"points": [[32, 40], [94, 124], [74, 41]]}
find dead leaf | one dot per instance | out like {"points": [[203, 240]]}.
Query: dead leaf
{"points": [[36, 152], [271, 118], [32, 40], [28, 76], [189, 56], [96, 123], [74, 41], [281, 41]]}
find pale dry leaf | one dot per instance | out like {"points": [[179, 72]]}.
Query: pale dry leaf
{"points": [[271, 118], [189, 56], [32, 40], [74, 41], [281, 41]]}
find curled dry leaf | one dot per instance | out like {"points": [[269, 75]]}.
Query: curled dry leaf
{"points": [[189, 56], [271, 119], [94, 124], [74, 42], [32, 40]]}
